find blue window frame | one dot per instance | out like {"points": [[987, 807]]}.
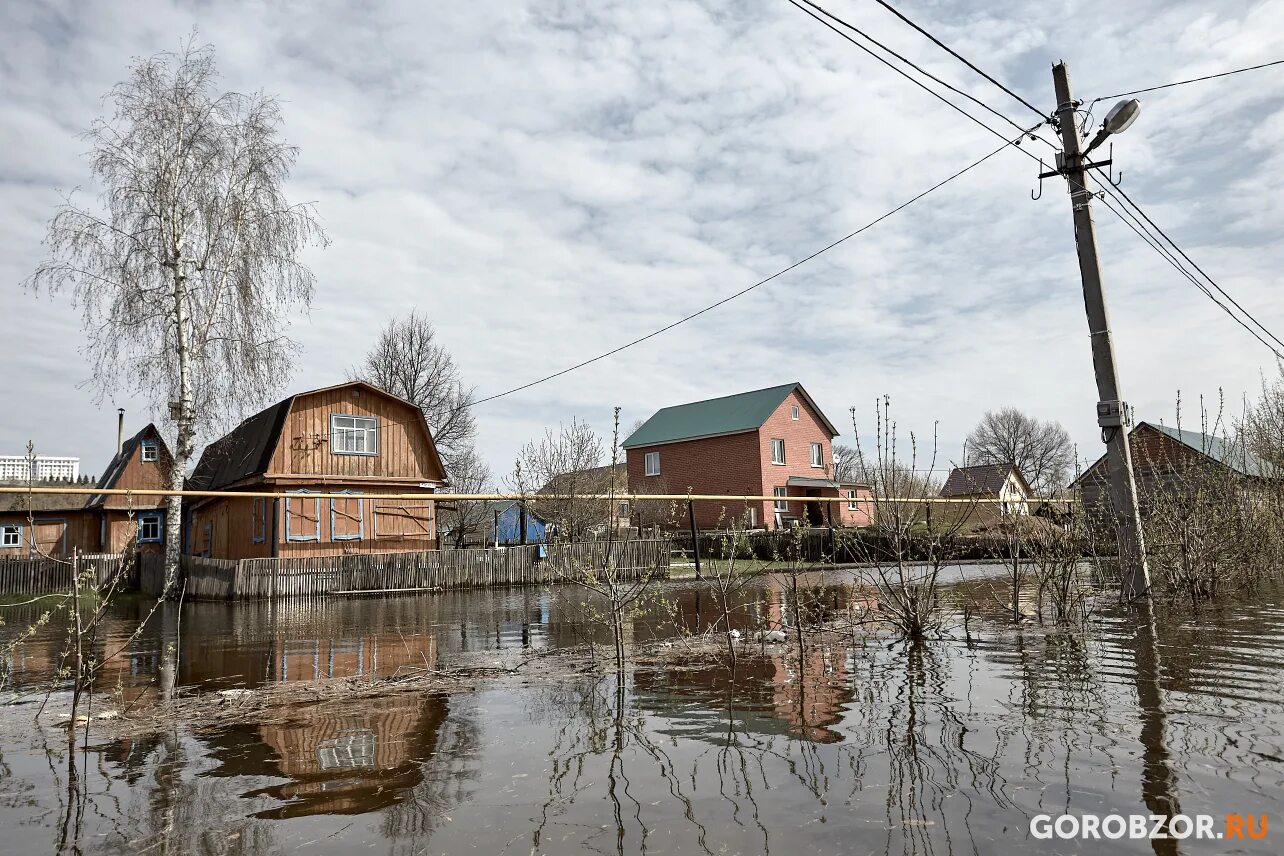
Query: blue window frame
{"points": [[258, 528], [344, 516], [149, 451], [151, 527], [10, 536], [297, 517]]}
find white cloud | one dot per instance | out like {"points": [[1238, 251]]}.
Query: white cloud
{"points": [[550, 179]]}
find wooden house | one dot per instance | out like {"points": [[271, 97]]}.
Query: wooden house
{"points": [[60, 523], [353, 439]]}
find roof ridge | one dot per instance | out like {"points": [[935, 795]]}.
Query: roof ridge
{"points": [[733, 395]]}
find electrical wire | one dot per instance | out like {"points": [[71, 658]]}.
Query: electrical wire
{"points": [[1112, 190], [1136, 226], [758, 284], [1191, 80], [889, 7], [905, 60]]}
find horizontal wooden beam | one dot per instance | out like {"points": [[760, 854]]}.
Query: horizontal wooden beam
{"points": [[526, 497]]}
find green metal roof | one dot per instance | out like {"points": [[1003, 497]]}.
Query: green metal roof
{"points": [[731, 414]]}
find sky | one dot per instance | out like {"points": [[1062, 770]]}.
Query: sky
{"points": [[549, 180]]}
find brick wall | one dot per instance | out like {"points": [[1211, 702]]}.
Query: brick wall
{"points": [[741, 464], [709, 465]]}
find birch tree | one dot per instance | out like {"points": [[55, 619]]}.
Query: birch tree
{"points": [[186, 269]]}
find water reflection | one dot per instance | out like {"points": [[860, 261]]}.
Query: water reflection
{"points": [[859, 745]]}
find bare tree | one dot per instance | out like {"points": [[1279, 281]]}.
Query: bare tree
{"points": [[1042, 451], [564, 465], [465, 517], [409, 362], [186, 270], [845, 463]]}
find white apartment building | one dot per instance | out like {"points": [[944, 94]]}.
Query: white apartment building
{"points": [[39, 468]]}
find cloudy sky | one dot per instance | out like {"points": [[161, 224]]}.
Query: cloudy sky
{"points": [[547, 180]]}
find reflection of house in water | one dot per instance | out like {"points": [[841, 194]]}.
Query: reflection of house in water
{"points": [[361, 756]]}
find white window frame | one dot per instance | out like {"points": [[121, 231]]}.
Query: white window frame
{"points": [[343, 438], [10, 531], [852, 504], [753, 517], [778, 462], [150, 451], [623, 510], [650, 459], [818, 455], [793, 413], [778, 505]]}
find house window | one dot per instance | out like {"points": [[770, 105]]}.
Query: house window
{"points": [[781, 504], [793, 413], [10, 536], [149, 451], [753, 517], [778, 451], [259, 528], [347, 519], [302, 518], [652, 461], [817, 455], [624, 509], [151, 527], [852, 505], [354, 435]]}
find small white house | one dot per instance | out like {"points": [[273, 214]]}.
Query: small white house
{"points": [[1003, 482]]}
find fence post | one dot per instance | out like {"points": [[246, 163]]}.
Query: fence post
{"points": [[695, 537]]}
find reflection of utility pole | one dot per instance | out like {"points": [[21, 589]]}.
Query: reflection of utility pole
{"points": [[1158, 781], [1111, 410]]}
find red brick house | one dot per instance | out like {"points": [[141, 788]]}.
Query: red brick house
{"points": [[769, 442]]}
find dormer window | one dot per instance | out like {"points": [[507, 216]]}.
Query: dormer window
{"points": [[354, 435], [149, 451]]}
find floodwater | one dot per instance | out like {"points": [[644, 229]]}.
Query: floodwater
{"points": [[868, 746]]}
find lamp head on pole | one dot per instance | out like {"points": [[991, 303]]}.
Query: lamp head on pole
{"points": [[1118, 120]]}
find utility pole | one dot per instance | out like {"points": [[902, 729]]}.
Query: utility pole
{"points": [[1112, 413]]}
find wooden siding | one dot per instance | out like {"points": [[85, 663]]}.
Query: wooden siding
{"points": [[304, 447], [141, 475], [55, 532], [226, 528]]}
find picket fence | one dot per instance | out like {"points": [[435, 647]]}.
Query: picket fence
{"points": [[388, 573], [43, 575]]}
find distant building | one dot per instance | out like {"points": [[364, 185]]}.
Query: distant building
{"points": [[38, 468], [1002, 482], [1165, 462], [768, 442]]}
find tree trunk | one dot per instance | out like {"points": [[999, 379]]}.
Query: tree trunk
{"points": [[185, 419]]}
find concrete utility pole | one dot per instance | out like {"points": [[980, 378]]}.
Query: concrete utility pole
{"points": [[1112, 414]]}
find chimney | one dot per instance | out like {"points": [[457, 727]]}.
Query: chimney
{"points": [[120, 430]]}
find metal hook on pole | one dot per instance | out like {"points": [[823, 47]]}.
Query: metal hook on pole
{"points": [[1110, 172], [1039, 195]]}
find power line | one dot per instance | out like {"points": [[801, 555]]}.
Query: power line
{"points": [[1153, 225], [1184, 82], [889, 7], [907, 76], [1153, 243], [755, 285]]}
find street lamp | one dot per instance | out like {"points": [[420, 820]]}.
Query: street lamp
{"points": [[1118, 120]]}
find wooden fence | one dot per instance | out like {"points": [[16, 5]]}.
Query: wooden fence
{"points": [[53, 576], [376, 573]]}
